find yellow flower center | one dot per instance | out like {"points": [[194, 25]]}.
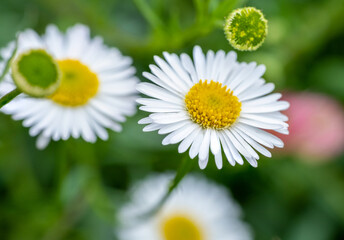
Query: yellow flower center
{"points": [[212, 105], [78, 84], [180, 227]]}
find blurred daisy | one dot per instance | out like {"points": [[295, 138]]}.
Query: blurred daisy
{"points": [[97, 88], [196, 210], [213, 102]]}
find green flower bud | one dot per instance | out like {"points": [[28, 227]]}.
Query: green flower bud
{"points": [[246, 28], [36, 73]]}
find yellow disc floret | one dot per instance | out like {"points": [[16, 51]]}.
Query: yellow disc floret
{"points": [[212, 105], [78, 84], [180, 227]]}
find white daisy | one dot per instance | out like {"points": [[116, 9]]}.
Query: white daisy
{"points": [[196, 210], [97, 88], [213, 102]]}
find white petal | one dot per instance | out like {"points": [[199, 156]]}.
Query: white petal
{"points": [[226, 150], [146, 120], [199, 60], [77, 40], [234, 152], [204, 148], [176, 64], [171, 75], [252, 161], [179, 134], [260, 124], [218, 160], [214, 142], [242, 141], [264, 100], [237, 144], [42, 142], [261, 136], [186, 143], [157, 92], [272, 107], [263, 118], [282, 130], [159, 82], [196, 144], [250, 80], [54, 41], [203, 163], [172, 127], [152, 127], [189, 67], [167, 118], [253, 143], [252, 93]]}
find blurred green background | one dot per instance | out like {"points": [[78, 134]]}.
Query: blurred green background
{"points": [[72, 189]]}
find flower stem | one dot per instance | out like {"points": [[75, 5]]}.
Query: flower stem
{"points": [[9, 97], [8, 63], [184, 168]]}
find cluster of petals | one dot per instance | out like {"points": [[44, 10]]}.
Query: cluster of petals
{"points": [[172, 78], [115, 98]]}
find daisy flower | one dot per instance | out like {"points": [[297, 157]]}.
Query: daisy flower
{"points": [[97, 89], [197, 209], [213, 103]]}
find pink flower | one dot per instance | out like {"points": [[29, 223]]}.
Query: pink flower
{"points": [[316, 125]]}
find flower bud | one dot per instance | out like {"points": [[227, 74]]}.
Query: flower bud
{"points": [[36, 73], [246, 28]]}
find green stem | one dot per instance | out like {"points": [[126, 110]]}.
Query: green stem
{"points": [[147, 12], [8, 63], [185, 167], [69, 218], [9, 97]]}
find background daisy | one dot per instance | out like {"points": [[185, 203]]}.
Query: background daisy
{"points": [[198, 209], [213, 102], [97, 88]]}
